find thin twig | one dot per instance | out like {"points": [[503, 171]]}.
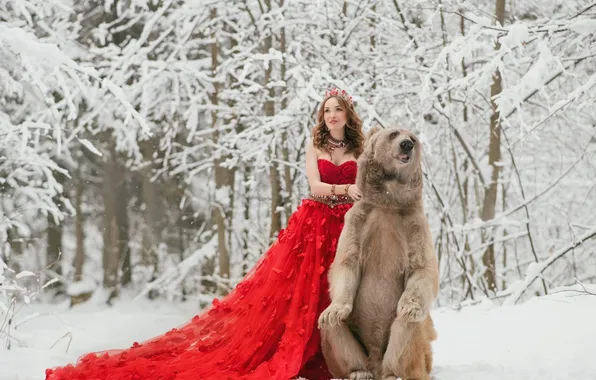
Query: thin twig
{"points": [[583, 11], [547, 28], [464, 145], [544, 120], [403, 21], [475, 22], [514, 295], [461, 262], [552, 78], [69, 335], [584, 288], [532, 199], [521, 187], [571, 97]]}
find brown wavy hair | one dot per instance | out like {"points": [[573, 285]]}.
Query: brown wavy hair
{"points": [[353, 128]]}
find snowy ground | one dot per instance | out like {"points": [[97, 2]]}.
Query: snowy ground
{"points": [[547, 338]]}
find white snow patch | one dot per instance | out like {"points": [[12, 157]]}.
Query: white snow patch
{"points": [[584, 27], [81, 287], [550, 337], [517, 36], [24, 274], [87, 144], [20, 42]]}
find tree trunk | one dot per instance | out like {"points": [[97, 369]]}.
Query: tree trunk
{"points": [[16, 250], [465, 185], [123, 230], [246, 265], [269, 111], [151, 215], [503, 205], [276, 199], [182, 247], [54, 236], [111, 246], [224, 178], [54, 233], [288, 178], [79, 259], [494, 158]]}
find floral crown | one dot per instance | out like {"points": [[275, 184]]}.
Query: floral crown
{"points": [[335, 92]]}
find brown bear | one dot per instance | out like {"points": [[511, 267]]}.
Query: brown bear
{"points": [[385, 275]]}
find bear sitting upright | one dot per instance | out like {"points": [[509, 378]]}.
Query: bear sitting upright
{"points": [[385, 275]]}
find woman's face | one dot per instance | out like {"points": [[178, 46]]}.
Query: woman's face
{"points": [[335, 115]]}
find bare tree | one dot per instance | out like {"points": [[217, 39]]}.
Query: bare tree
{"points": [[224, 177], [494, 161]]}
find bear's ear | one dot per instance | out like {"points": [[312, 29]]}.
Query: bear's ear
{"points": [[371, 141], [371, 137], [372, 131]]}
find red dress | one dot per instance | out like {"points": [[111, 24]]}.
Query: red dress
{"points": [[265, 328]]}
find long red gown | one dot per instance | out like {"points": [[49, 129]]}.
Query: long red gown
{"points": [[265, 328]]}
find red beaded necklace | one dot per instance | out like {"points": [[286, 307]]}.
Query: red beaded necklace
{"points": [[332, 144]]}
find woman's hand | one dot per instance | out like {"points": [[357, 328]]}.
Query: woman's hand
{"points": [[354, 192]]}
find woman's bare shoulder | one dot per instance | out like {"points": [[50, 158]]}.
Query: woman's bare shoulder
{"points": [[312, 150]]}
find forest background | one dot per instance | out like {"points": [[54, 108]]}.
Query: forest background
{"points": [[157, 147]]}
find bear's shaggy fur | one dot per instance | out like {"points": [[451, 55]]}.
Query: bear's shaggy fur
{"points": [[385, 275]]}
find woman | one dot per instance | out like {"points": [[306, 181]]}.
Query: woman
{"points": [[266, 327]]}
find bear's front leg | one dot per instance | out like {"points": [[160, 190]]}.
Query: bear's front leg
{"points": [[334, 314], [345, 356], [422, 276], [409, 353], [344, 275]]}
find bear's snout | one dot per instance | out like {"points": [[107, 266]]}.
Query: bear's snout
{"points": [[406, 145]]}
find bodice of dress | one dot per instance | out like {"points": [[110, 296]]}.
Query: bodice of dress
{"points": [[337, 174]]}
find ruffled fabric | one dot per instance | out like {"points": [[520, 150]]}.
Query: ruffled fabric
{"points": [[264, 329]]}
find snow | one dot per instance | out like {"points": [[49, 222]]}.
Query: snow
{"points": [[547, 338], [80, 287], [90, 146], [550, 337], [584, 27], [59, 334], [517, 36], [25, 273], [60, 93], [47, 56]]}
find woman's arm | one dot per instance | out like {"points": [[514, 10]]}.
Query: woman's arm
{"points": [[314, 178]]}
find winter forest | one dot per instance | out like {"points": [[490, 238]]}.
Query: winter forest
{"points": [[154, 148]]}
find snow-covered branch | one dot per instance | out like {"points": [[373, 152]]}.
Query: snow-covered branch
{"points": [[514, 292]]}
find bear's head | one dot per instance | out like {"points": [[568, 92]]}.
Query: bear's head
{"points": [[389, 170]]}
